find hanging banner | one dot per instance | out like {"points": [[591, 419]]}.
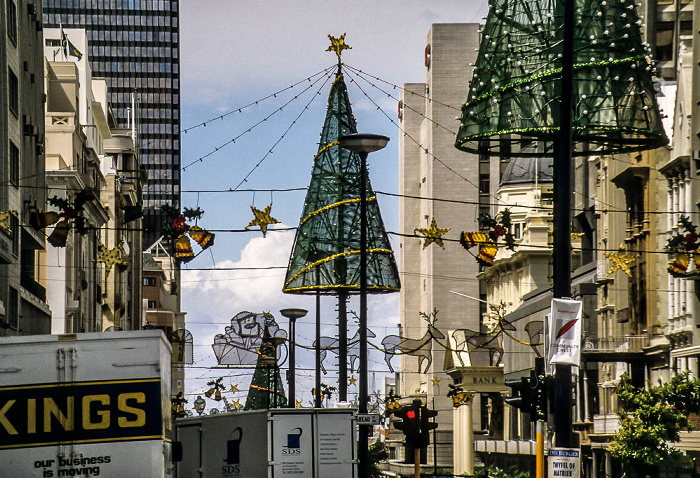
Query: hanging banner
{"points": [[564, 332]]}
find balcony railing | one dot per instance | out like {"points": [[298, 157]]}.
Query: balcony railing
{"points": [[606, 424], [626, 343]]}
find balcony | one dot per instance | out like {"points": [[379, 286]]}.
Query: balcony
{"points": [[33, 287], [615, 349], [605, 424]]}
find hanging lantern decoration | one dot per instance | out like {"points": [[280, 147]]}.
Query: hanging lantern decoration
{"points": [[487, 239], [216, 386], [59, 236], [178, 406], [70, 215], [183, 249], [177, 230], [201, 236], [681, 246], [199, 405]]}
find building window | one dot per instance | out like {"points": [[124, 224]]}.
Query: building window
{"points": [[13, 91], [14, 164], [13, 308], [152, 303], [149, 281], [12, 21]]}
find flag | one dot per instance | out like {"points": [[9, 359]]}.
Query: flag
{"points": [[564, 332], [68, 48]]}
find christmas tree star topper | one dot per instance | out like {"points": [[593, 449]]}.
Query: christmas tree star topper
{"points": [[338, 45], [262, 218], [433, 234]]}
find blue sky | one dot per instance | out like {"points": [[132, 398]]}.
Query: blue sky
{"points": [[236, 52]]}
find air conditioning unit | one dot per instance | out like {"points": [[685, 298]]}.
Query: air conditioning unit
{"points": [[72, 305]]}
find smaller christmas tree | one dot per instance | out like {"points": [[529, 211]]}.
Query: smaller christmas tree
{"points": [[266, 387]]}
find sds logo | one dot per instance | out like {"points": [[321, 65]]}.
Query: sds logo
{"points": [[233, 453], [293, 446]]}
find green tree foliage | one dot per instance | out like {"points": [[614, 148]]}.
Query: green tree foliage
{"points": [[495, 472], [651, 421], [377, 452]]}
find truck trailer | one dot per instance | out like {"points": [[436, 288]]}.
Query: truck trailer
{"points": [[276, 443], [91, 404]]}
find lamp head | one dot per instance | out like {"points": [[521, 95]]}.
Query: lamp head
{"points": [[363, 142], [293, 313]]}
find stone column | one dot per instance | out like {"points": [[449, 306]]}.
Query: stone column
{"points": [[506, 416], [463, 431]]}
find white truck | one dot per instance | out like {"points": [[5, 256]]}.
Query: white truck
{"points": [[92, 404], [301, 443]]}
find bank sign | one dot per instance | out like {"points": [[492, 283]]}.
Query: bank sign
{"points": [[80, 412]]}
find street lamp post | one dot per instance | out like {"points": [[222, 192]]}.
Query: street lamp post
{"points": [[292, 314], [363, 144]]}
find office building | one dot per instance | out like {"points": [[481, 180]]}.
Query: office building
{"points": [[135, 46], [23, 307]]}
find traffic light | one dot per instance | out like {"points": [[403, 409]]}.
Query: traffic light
{"points": [[410, 423], [523, 394], [529, 394], [540, 390], [426, 425]]}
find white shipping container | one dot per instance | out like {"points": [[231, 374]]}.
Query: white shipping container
{"points": [[93, 404], [277, 443]]}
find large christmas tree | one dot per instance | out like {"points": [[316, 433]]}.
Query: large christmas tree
{"points": [[266, 387], [514, 95], [326, 253]]}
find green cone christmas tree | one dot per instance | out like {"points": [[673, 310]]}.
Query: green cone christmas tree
{"points": [[266, 387], [326, 253], [515, 91]]}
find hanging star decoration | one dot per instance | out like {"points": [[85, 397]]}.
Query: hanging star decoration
{"points": [[681, 246], [5, 220], [237, 404], [435, 381], [262, 218], [432, 234], [352, 381], [110, 257], [338, 45], [620, 261], [234, 387], [176, 229], [298, 404], [487, 238]]}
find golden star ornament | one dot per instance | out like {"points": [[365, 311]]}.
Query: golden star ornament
{"points": [[338, 45], [234, 387], [262, 218], [111, 257], [433, 234], [620, 261]]}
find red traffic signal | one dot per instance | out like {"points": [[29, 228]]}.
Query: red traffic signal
{"points": [[410, 414]]}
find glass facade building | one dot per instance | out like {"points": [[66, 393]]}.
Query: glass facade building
{"points": [[135, 45]]}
